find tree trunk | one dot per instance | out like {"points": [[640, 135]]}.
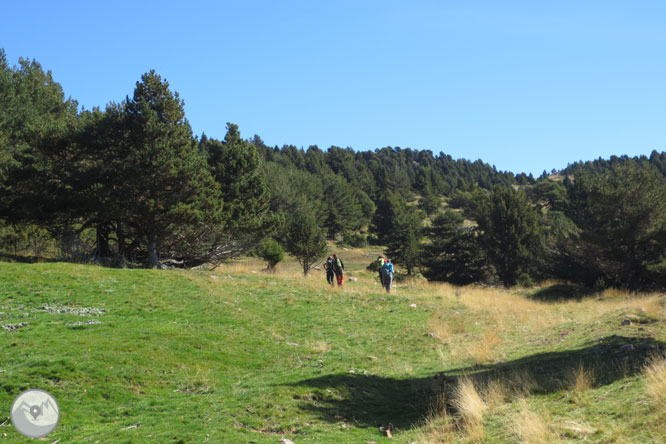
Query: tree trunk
{"points": [[67, 243], [102, 239], [152, 251], [121, 243]]}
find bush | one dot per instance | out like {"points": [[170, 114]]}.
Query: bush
{"points": [[355, 240], [373, 239], [272, 253]]}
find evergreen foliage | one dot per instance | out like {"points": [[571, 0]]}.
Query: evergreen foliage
{"points": [[272, 252], [454, 254], [166, 185], [621, 215], [305, 240], [510, 233], [246, 218], [130, 182], [343, 211], [404, 242]]}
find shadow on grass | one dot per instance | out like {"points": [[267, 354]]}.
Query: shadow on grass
{"points": [[6, 257], [562, 292], [109, 262], [369, 400]]}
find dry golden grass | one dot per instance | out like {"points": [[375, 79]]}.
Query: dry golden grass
{"points": [[580, 379], [619, 435], [495, 393], [470, 407], [443, 327], [437, 431], [484, 350], [651, 307], [522, 382], [320, 347], [438, 427], [531, 426], [578, 427], [508, 311], [655, 380]]}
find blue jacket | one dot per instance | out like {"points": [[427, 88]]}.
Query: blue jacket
{"points": [[387, 268]]}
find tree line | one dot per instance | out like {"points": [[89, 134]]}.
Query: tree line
{"points": [[132, 176], [131, 183]]}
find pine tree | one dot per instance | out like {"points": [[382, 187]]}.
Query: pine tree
{"points": [[343, 211], [167, 187], [622, 217], [305, 241], [385, 215], [404, 242], [510, 233], [271, 251], [236, 167], [454, 254], [35, 122], [429, 202]]}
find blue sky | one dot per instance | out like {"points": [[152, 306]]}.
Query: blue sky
{"points": [[525, 86]]}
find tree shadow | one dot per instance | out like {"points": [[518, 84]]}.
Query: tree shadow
{"points": [[6, 257], [562, 292], [109, 262], [368, 400]]}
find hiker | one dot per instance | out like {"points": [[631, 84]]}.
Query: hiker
{"points": [[387, 275], [380, 264], [339, 269], [330, 273]]}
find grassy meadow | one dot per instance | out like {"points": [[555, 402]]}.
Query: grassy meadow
{"points": [[238, 355]]}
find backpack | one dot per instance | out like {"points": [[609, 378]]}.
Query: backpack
{"points": [[338, 265]]}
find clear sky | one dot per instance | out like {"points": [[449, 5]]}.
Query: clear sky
{"points": [[523, 85]]}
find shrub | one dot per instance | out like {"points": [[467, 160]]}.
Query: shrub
{"points": [[355, 239], [272, 253]]}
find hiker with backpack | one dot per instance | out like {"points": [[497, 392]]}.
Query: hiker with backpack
{"points": [[330, 273], [339, 269], [387, 275], [380, 264]]}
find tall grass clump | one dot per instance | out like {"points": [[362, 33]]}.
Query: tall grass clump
{"points": [[580, 379], [655, 379], [530, 426], [495, 393], [438, 427], [470, 407]]}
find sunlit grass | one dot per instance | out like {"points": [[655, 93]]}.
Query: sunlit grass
{"points": [[286, 355], [655, 381], [470, 407], [532, 427]]}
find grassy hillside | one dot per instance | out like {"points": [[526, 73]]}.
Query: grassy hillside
{"points": [[237, 355]]}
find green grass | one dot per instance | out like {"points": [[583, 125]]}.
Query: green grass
{"points": [[240, 356]]}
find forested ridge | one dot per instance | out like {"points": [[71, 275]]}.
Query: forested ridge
{"points": [[132, 185]]}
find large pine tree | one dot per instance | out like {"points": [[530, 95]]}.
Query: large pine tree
{"points": [[510, 233], [621, 214], [165, 180], [236, 167], [454, 254]]}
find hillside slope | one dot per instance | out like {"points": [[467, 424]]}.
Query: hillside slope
{"points": [[239, 356]]}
